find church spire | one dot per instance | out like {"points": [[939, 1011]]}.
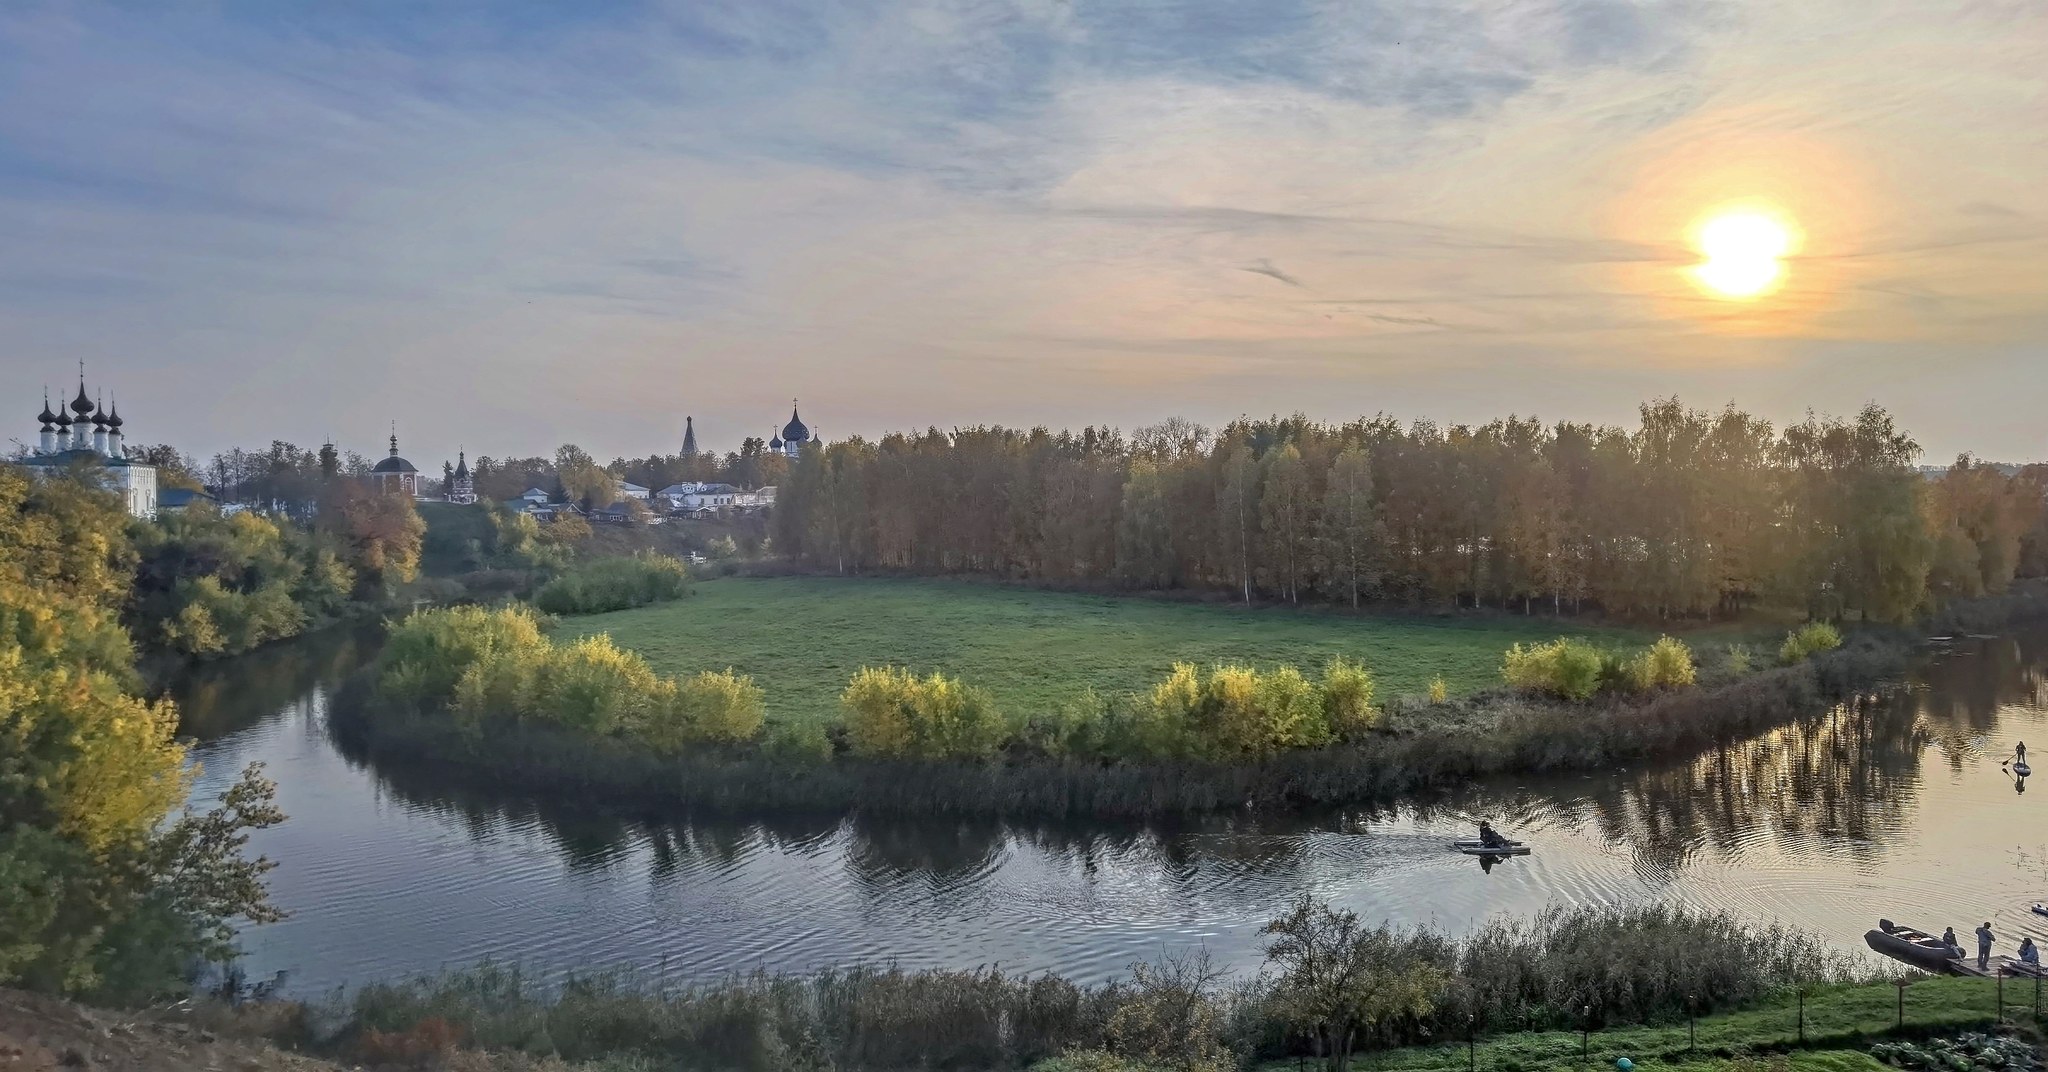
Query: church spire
{"points": [[689, 437]]}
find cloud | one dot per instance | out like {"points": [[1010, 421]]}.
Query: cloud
{"points": [[576, 220], [1265, 267]]}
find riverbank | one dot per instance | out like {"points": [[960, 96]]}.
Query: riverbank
{"points": [[1178, 1013]]}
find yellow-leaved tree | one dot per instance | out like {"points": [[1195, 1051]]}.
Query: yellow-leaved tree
{"points": [[97, 892]]}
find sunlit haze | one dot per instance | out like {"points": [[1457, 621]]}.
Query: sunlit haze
{"points": [[505, 227]]}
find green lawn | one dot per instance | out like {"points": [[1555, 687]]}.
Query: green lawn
{"points": [[1842, 1017], [802, 637]]}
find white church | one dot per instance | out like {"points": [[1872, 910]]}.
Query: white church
{"points": [[89, 437]]}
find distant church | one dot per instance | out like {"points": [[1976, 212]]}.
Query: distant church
{"points": [[394, 475], [794, 435], [90, 436]]}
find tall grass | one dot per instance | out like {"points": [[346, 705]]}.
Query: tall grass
{"points": [[1632, 965]]}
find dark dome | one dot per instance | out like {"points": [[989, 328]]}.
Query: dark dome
{"points": [[794, 431], [114, 418], [81, 405], [393, 464], [46, 416]]}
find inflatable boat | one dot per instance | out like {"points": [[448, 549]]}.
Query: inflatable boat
{"points": [[1475, 847], [1918, 948]]}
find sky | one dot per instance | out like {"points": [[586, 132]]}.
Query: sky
{"points": [[503, 226]]}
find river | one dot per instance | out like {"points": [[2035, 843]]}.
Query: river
{"points": [[1903, 810]]}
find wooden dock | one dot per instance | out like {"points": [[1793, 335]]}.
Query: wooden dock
{"points": [[1997, 965]]}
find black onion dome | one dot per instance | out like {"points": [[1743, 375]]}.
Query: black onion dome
{"points": [[794, 431], [81, 405], [46, 416], [114, 418]]}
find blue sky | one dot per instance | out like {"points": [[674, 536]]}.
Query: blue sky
{"points": [[509, 225]]}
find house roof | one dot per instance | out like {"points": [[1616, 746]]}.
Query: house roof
{"points": [[65, 458], [172, 498]]}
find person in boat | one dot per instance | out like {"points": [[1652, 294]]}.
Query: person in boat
{"points": [[1948, 938], [1490, 838], [2030, 954], [1984, 940]]}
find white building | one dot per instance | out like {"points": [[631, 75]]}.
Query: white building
{"points": [[461, 487], [394, 475], [631, 490], [89, 437]]}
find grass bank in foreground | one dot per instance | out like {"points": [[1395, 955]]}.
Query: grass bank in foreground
{"points": [[1327, 978], [803, 637]]}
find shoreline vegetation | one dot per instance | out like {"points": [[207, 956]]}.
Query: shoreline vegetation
{"points": [[1205, 739], [1332, 992]]}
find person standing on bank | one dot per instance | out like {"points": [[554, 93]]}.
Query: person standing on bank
{"points": [[1984, 939]]}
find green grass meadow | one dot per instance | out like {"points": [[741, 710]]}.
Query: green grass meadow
{"points": [[802, 637], [1840, 1022]]}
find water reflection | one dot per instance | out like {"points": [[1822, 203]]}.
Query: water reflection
{"points": [[1862, 810]]}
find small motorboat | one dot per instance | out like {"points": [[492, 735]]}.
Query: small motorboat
{"points": [[1475, 847], [2040, 909], [1918, 948]]}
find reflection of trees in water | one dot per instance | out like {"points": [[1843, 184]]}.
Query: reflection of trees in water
{"points": [[1849, 776], [216, 699], [951, 855], [1968, 685]]}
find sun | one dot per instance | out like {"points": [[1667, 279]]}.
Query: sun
{"points": [[1743, 252]]}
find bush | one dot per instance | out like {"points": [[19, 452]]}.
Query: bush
{"points": [[1807, 641], [1564, 667], [1667, 664], [429, 652], [482, 665], [609, 584], [1439, 690], [1347, 698], [892, 713]]}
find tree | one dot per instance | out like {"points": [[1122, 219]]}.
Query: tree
{"points": [[1236, 504], [1287, 520], [582, 480], [381, 534], [1145, 555], [1349, 531], [1340, 980], [97, 894]]}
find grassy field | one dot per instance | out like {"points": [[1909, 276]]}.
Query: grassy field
{"points": [[1845, 1017], [802, 637]]}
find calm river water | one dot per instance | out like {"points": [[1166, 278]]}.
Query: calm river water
{"points": [[1905, 812]]}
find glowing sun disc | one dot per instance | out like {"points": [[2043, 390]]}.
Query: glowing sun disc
{"points": [[1742, 253]]}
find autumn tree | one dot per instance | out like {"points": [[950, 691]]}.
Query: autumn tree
{"points": [[1350, 533], [1237, 497]]}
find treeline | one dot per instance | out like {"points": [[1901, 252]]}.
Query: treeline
{"points": [[104, 889], [1332, 988], [1688, 514]]}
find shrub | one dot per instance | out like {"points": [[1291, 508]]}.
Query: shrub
{"points": [[1739, 660], [495, 664], [1807, 641], [803, 742], [609, 584], [893, 713], [1666, 664], [721, 707], [1564, 667], [430, 651], [1347, 699], [1439, 692]]}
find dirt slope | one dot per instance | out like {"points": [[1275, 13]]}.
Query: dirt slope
{"points": [[39, 1034]]}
